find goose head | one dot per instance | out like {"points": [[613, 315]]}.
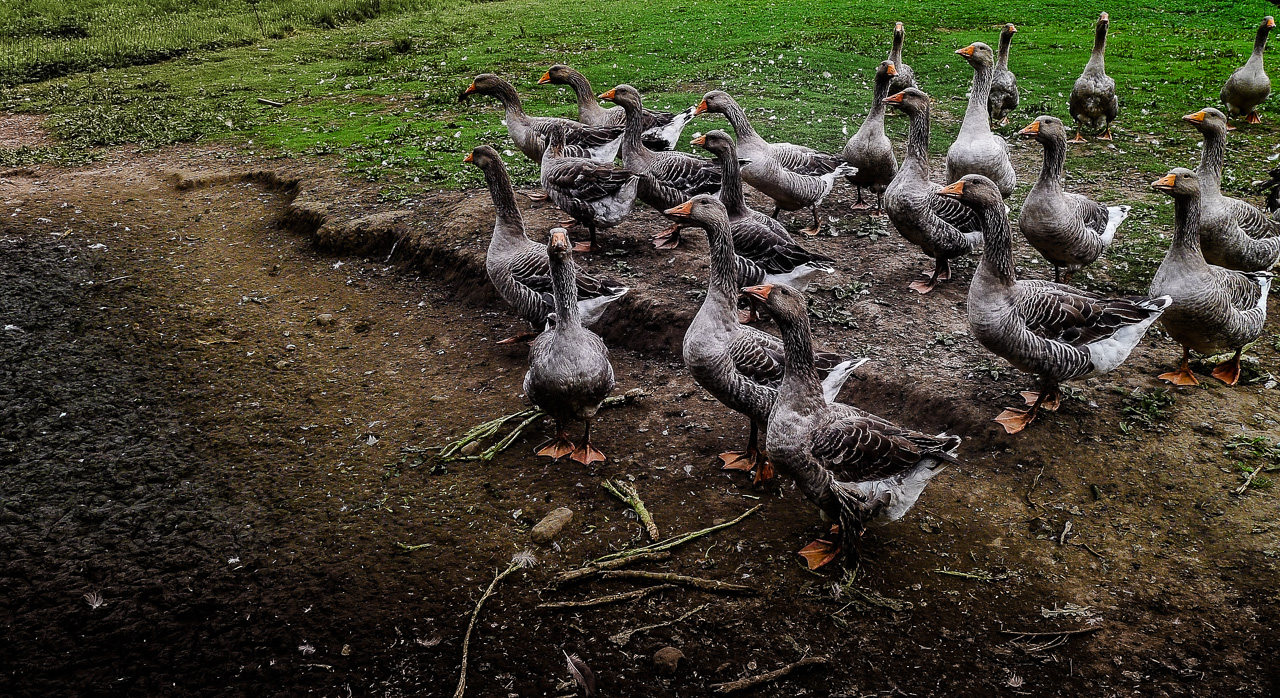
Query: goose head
{"points": [[1209, 120], [625, 95], [484, 157], [786, 305], [1045, 129], [716, 102], [701, 210], [898, 31], [1179, 183], [484, 84], [558, 74], [558, 244], [975, 191], [909, 100], [716, 141], [978, 54], [1104, 20], [1009, 30], [885, 72]]}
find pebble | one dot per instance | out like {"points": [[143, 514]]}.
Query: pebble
{"points": [[667, 660], [470, 449], [550, 526], [324, 319]]}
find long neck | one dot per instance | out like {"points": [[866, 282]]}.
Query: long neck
{"points": [[1186, 227], [1097, 61], [1055, 155], [800, 383], [587, 103], [1212, 157], [564, 285], [876, 115], [506, 94], [724, 270], [918, 137], [976, 112], [997, 247], [1002, 60], [741, 126], [504, 200], [633, 147], [1259, 43], [895, 54], [731, 194]]}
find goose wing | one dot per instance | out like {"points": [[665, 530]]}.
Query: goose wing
{"points": [[803, 160], [584, 179], [1064, 314], [1253, 221], [858, 446], [690, 174], [758, 356], [955, 213]]}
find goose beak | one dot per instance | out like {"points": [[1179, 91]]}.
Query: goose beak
{"points": [[1195, 118], [760, 293], [610, 94], [560, 238], [1032, 129], [1013, 29], [953, 190], [700, 140], [468, 158], [1165, 183], [702, 107], [546, 78], [891, 70], [897, 26], [1271, 23], [894, 99], [681, 211], [966, 51]]}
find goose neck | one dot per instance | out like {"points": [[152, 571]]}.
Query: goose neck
{"points": [[976, 112], [997, 246], [1260, 43], [918, 137], [801, 388], [1186, 227], [737, 117], [1212, 157], [510, 222], [1002, 59], [1055, 157], [587, 103], [731, 194], [724, 272], [564, 285], [1097, 59]]}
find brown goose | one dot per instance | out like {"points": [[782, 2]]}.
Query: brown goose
{"points": [[856, 467], [1093, 102], [661, 129], [1004, 84], [1249, 86], [977, 150], [1053, 331], [569, 371], [518, 267], [595, 194], [1213, 308], [739, 365], [1233, 233], [1069, 229], [529, 133], [903, 75], [869, 149], [794, 176], [940, 226]]}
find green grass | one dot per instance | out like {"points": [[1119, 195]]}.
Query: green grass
{"points": [[380, 89]]}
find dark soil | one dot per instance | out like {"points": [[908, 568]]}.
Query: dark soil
{"points": [[242, 481]]}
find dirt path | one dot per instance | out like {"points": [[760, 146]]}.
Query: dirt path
{"points": [[235, 470]]}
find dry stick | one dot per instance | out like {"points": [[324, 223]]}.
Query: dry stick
{"points": [[270, 103], [631, 497], [593, 569], [1079, 631], [483, 431], [695, 582], [1249, 480], [611, 598], [753, 681], [678, 540], [625, 636], [518, 562], [1035, 482]]}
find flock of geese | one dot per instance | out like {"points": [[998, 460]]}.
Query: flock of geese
{"points": [[1209, 294]]}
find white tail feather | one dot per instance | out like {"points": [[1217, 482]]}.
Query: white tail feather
{"points": [[835, 380]]}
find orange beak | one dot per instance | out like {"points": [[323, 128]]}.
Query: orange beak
{"points": [[559, 238], [470, 89], [1013, 29], [610, 94], [700, 140], [682, 210], [893, 99], [1032, 129], [702, 107], [1197, 117], [897, 26], [892, 70], [760, 293], [1271, 22], [966, 51], [468, 158], [954, 190], [1165, 182], [546, 78]]}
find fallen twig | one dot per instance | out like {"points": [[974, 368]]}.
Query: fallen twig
{"points": [[679, 540], [980, 575], [1249, 480], [411, 548], [519, 561], [216, 341], [625, 636], [1078, 631], [767, 677], [611, 598], [452, 450], [627, 492], [1034, 482], [595, 568], [1095, 552], [695, 582], [270, 103]]}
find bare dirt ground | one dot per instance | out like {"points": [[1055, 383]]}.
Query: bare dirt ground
{"points": [[211, 489]]}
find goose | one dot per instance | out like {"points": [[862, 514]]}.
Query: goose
{"points": [[854, 466], [529, 133], [661, 129], [977, 150], [667, 178], [941, 227], [569, 371], [1271, 185], [903, 75], [1093, 102], [794, 176], [869, 149], [519, 268], [1004, 84], [1069, 229], [739, 365], [1233, 233], [1053, 331], [596, 194], [1248, 87], [1213, 308]]}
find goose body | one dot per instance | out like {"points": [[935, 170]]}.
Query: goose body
{"points": [[529, 133], [1093, 102], [1233, 234], [977, 150], [596, 194], [943, 228], [1214, 309], [903, 75], [1003, 98], [519, 268], [569, 371], [661, 130], [869, 150], [1069, 229], [1248, 87], [739, 365], [1053, 331], [857, 468]]}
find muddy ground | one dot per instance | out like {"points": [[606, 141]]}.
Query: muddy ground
{"points": [[222, 376]]}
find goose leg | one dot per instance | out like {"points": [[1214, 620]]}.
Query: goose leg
{"points": [[1051, 403], [941, 272], [1252, 117], [1078, 139], [764, 469], [817, 227], [1182, 376], [1106, 135], [859, 204], [822, 551], [742, 460], [879, 211], [587, 454], [668, 239], [536, 195], [1015, 420], [590, 244], [559, 447], [1057, 274], [1229, 371], [776, 208], [1066, 278]]}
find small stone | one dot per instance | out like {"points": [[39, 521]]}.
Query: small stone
{"points": [[361, 326], [470, 449], [324, 319], [550, 526], [667, 660]]}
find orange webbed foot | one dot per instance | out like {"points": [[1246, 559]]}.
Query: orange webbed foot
{"points": [[1182, 376], [1014, 420], [1106, 135], [559, 447], [568, 222], [1228, 371], [923, 286], [812, 230], [522, 337], [536, 196], [587, 454], [764, 472], [1078, 139], [736, 460], [1253, 118], [584, 247], [819, 553], [1051, 403], [746, 317]]}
